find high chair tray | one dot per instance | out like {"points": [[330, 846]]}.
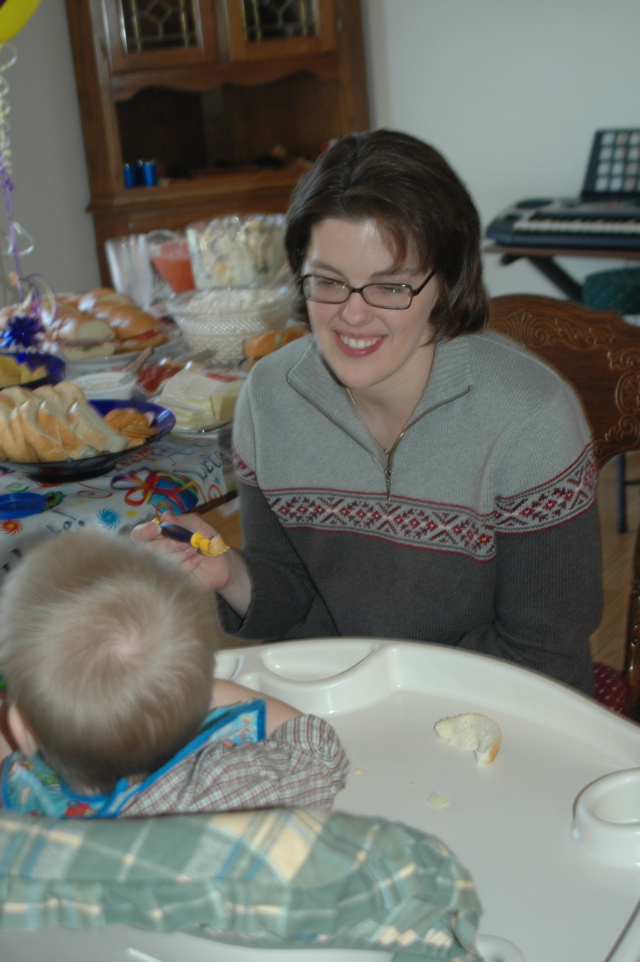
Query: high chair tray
{"points": [[548, 896], [510, 822]]}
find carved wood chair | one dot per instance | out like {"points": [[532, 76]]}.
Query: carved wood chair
{"points": [[600, 356]]}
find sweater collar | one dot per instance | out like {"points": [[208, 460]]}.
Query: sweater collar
{"points": [[450, 378]]}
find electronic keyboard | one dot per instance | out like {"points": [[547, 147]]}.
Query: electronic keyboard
{"points": [[605, 216], [569, 222]]}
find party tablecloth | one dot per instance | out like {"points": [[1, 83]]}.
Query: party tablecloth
{"points": [[175, 474]]}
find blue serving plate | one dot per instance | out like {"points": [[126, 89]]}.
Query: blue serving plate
{"points": [[55, 366], [62, 472]]}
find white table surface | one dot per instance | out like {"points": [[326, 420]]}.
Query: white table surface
{"points": [[174, 474]]}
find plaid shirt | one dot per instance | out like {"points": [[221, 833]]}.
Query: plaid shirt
{"points": [[302, 764], [277, 878]]}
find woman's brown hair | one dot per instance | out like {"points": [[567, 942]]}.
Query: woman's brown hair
{"points": [[419, 204]]}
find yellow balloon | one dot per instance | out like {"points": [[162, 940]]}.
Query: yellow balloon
{"points": [[13, 16]]}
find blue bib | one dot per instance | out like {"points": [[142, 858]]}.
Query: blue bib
{"points": [[31, 786]]}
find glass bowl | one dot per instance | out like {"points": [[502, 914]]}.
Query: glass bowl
{"points": [[106, 385], [237, 251], [222, 318]]}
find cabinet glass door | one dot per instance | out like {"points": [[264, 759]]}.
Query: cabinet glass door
{"points": [[149, 25], [159, 33], [263, 29]]}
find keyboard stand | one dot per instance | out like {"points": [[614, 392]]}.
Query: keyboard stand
{"points": [[543, 259]]}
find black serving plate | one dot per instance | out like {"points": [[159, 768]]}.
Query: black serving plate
{"points": [[61, 472]]}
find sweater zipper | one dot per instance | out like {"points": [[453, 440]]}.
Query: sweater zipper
{"points": [[386, 469]]}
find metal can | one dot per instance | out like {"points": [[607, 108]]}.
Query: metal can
{"points": [[147, 173], [130, 175]]}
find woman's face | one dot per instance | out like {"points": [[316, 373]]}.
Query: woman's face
{"points": [[369, 348]]}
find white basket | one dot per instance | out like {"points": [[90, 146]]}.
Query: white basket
{"points": [[222, 318]]}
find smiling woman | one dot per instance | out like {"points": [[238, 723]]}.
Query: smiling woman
{"points": [[402, 473]]}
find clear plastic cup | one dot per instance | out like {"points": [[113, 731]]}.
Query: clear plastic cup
{"points": [[169, 253]]}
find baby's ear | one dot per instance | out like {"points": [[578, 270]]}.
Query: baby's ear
{"points": [[21, 731]]}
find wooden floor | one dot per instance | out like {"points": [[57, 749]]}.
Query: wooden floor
{"points": [[607, 644]]}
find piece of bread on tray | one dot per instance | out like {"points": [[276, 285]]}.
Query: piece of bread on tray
{"points": [[472, 732]]}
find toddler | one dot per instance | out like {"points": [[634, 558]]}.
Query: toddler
{"points": [[108, 654]]}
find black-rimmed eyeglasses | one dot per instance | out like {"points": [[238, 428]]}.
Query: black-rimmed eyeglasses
{"points": [[393, 297]]}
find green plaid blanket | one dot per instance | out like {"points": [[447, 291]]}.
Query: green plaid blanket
{"points": [[280, 878]]}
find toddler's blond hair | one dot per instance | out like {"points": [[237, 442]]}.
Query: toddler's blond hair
{"points": [[108, 652]]}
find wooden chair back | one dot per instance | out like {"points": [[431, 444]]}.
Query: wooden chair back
{"points": [[600, 356]]}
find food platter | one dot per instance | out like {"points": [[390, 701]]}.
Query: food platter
{"points": [[121, 359], [62, 472]]}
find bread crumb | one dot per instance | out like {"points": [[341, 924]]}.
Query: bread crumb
{"points": [[359, 771], [436, 800], [413, 783]]}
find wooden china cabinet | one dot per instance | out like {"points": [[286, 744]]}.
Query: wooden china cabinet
{"points": [[232, 98]]}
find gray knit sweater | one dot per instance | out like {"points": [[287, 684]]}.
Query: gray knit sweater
{"points": [[484, 536]]}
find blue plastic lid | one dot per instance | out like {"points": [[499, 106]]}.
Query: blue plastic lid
{"points": [[21, 505]]}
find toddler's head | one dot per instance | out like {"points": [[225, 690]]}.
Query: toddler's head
{"points": [[108, 654]]}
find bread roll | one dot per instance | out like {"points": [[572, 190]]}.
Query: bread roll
{"points": [[81, 337], [12, 396], [67, 391], [107, 308], [65, 313], [269, 341], [36, 433], [12, 450], [52, 419], [89, 300], [87, 424], [472, 732], [23, 452], [57, 423], [136, 329]]}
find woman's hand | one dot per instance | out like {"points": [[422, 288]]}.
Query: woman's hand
{"points": [[225, 573]]}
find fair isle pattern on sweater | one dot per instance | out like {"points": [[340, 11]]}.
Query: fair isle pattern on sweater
{"points": [[436, 527]]}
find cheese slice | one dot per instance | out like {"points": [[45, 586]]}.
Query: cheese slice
{"points": [[198, 401]]}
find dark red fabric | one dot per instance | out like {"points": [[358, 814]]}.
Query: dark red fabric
{"points": [[611, 689]]}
